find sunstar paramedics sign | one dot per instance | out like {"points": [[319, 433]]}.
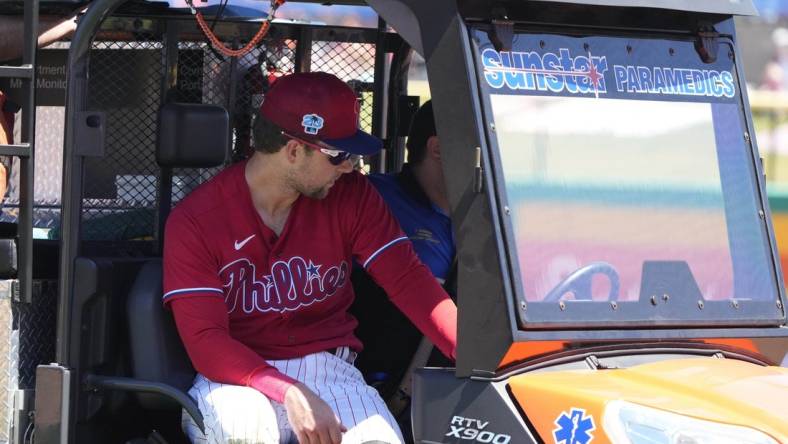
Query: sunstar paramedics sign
{"points": [[662, 71]]}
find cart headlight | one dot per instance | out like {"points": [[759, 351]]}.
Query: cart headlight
{"points": [[627, 423]]}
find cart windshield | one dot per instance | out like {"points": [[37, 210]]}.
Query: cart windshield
{"points": [[628, 182]]}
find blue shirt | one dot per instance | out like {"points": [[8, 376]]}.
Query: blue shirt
{"points": [[427, 226]]}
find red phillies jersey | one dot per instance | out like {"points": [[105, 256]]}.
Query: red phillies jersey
{"points": [[287, 296]]}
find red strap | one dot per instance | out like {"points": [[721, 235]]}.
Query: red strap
{"points": [[275, 4]]}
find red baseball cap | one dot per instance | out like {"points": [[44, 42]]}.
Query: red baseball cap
{"points": [[318, 106]]}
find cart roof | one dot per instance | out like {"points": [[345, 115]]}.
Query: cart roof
{"points": [[732, 7], [728, 7]]}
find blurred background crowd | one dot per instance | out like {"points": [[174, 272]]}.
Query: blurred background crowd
{"points": [[763, 43]]}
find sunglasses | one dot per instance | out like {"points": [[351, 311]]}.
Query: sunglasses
{"points": [[335, 156]]}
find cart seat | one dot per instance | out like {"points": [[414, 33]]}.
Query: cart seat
{"points": [[190, 136], [157, 351]]}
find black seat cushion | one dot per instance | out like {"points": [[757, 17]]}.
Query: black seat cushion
{"points": [[192, 135], [157, 353]]}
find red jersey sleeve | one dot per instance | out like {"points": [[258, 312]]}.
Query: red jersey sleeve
{"points": [[379, 245], [189, 267], [204, 328], [193, 291], [373, 228]]}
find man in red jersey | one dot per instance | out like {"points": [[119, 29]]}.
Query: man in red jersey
{"points": [[256, 271]]}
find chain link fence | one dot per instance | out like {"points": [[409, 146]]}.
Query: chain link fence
{"points": [[355, 64], [120, 188]]}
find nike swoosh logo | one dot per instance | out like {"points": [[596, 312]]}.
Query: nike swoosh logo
{"points": [[239, 245]]}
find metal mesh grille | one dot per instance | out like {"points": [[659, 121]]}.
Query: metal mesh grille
{"points": [[258, 69], [121, 187], [355, 64], [203, 77]]}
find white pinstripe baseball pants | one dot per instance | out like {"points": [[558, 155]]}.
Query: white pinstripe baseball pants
{"points": [[242, 415]]}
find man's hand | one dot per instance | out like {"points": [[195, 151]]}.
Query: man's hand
{"points": [[311, 418]]}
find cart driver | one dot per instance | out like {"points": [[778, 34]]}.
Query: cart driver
{"points": [[418, 200], [417, 196]]}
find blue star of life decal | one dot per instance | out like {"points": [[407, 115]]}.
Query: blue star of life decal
{"points": [[574, 427]]}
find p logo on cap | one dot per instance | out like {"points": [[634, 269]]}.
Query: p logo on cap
{"points": [[312, 123]]}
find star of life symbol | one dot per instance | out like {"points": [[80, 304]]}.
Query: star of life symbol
{"points": [[574, 427], [593, 75], [312, 123]]}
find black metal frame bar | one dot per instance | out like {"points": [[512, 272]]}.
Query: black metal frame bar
{"points": [[18, 150], [25, 150], [73, 167], [745, 7], [24, 71], [436, 30], [759, 171], [27, 163], [245, 30], [139, 386], [303, 54], [170, 56], [486, 326], [397, 87], [378, 99], [73, 164]]}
